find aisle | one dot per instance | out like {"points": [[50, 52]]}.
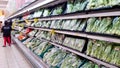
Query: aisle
{"points": [[10, 57]]}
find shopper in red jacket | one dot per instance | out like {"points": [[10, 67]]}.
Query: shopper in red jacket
{"points": [[6, 29]]}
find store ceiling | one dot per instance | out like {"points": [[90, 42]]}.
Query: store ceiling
{"points": [[3, 4]]}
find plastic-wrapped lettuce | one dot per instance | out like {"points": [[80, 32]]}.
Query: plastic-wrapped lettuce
{"points": [[70, 5], [48, 23], [79, 5], [57, 38], [107, 51], [35, 44], [102, 48], [89, 65], [31, 42], [96, 25], [66, 41], [105, 25], [91, 4], [116, 27], [82, 25], [46, 12], [116, 54], [59, 24], [74, 43], [59, 58], [43, 34], [32, 33], [72, 24], [79, 44], [38, 13], [57, 10], [71, 61], [42, 48], [39, 31], [90, 24], [38, 24], [53, 24], [114, 2], [33, 24], [66, 24], [76, 24], [51, 55], [89, 48]]}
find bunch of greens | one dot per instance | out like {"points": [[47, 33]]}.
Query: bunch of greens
{"points": [[79, 5], [54, 56], [46, 12], [71, 61], [109, 52], [32, 33], [77, 44]]}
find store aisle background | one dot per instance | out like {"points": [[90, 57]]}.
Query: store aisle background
{"points": [[11, 57]]}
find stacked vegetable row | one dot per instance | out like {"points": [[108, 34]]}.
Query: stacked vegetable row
{"points": [[56, 57], [72, 6], [106, 25], [34, 45], [109, 52]]}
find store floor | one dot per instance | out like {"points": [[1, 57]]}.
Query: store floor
{"points": [[11, 57]]}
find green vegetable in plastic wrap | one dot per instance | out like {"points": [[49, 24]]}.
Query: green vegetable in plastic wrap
{"points": [[82, 25], [89, 48], [96, 25], [66, 24], [46, 12], [73, 24], [70, 6], [107, 51], [50, 56], [58, 58], [90, 23], [106, 26], [77, 23], [41, 48], [79, 44], [71, 61], [57, 11], [53, 24], [89, 65], [116, 55], [79, 5]]}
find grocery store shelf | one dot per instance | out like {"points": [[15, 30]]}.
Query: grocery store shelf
{"points": [[99, 62], [36, 61], [81, 15], [109, 38], [36, 6]]}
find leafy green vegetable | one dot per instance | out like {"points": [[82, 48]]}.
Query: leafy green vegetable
{"points": [[71, 61]]}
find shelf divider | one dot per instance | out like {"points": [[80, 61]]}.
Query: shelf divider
{"points": [[83, 34]]}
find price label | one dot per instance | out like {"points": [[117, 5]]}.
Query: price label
{"points": [[36, 20], [26, 21], [52, 32]]}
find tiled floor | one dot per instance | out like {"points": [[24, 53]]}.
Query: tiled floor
{"points": [[10, 57]]}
